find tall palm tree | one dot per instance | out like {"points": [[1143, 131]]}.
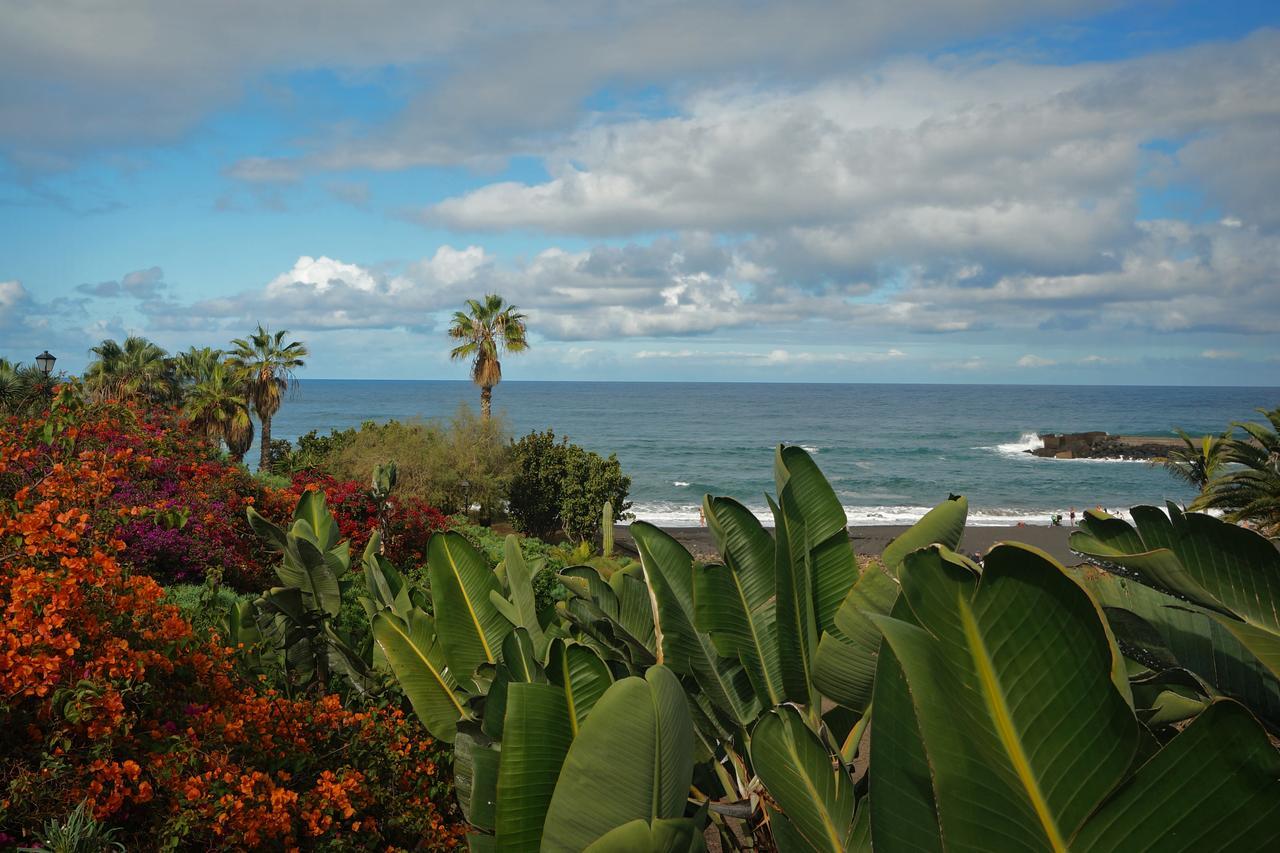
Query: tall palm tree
{"points": [[490, 329], [1250, 489], [216, 405], [266, 364], [137, 369], [1197, 461]]}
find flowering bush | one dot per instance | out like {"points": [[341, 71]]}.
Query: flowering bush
{"points": [[110, 698], [408, 521]]}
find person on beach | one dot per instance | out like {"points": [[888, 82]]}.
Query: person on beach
{"points": [[1073, 516], [702, 517]]}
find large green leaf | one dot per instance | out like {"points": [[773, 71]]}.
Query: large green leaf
{"points": [[817, 532], [1226, 569], [1216, 786], [312, 510], [944, 525], [735, 603], [471, 629], [535, 740], [815, 795], [668, 567], [797, 626], [581, 673], [520, 585], [903, 809], [632, 760], [1197, 639], [844, 665], [1027, 739], [1216, 564], [1010, 684], [411, 648]]}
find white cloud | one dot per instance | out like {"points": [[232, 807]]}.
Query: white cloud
{"points": [[1035, 361], [1220, 354], [960, 156], [320, 275]]}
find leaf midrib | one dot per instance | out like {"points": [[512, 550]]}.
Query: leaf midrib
{"points": [[1004, 726]]}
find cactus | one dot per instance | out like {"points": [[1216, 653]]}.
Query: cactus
{"points": [[606, 529]]}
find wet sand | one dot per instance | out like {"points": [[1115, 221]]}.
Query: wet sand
{"points": [[870, 541]]}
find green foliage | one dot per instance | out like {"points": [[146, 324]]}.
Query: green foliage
{"points": [[1247, 485], [23, 388], [300, 620], [562, 486], [1200, 596], [205, 613], [456, 465], [544, 559], [997, 699], [79, 832]]}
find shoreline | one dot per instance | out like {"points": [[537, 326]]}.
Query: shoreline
{"points": [[870, 540]]}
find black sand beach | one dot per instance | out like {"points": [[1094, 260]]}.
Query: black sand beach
{"points": [[870, 541]]}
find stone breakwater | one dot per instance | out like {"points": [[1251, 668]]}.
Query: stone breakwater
{"points": [[1101, 445]]}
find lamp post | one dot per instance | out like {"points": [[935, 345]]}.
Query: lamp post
{"points": [[46, 360]]}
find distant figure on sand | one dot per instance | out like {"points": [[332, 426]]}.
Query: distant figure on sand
{"points": [[1073, 516], [702, 518]]}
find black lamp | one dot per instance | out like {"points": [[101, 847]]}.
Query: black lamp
{"points": [[46, 360]]}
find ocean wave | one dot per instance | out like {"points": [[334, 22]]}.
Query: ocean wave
{"points": [[1026, 442], [672, 514], [679, 484]]}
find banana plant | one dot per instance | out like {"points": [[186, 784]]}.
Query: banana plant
{"points": [[1000, 722], [1192, 592], [297, 619]]}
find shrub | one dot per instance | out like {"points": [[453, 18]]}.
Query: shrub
{"points": [[110, 698], [562, 486], [454, 466]]}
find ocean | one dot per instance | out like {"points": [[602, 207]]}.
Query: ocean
{"points": [[890, 451]]}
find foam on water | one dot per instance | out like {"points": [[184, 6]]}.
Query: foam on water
{"points": [[670, 514], [1026, 442]]}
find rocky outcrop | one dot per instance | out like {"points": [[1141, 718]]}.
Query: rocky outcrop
{"points": [[1101, 445]]}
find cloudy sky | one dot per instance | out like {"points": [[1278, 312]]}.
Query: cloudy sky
{"points": [[938, 190]]}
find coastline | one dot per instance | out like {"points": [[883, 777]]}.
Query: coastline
{"points": [[871, 540]]}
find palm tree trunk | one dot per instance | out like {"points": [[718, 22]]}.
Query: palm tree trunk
{"points": [[264, 460], [486, 395]]}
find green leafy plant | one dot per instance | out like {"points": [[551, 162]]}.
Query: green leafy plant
{"points": [[996, 701], [298, 619], [79, 832], [561, 486], [1247, 485]]}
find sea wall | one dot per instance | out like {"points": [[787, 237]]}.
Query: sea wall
{"points": [[1101, 445]]}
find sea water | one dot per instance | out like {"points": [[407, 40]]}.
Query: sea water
{"points": [[890, 451]]}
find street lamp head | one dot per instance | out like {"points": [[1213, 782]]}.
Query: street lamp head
{"points": [[46, 360]]}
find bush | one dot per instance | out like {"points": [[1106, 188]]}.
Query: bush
{"points": [[455, 466], [562, 486], [112, 699]]}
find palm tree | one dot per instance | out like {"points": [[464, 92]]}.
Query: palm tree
{"points": [[22, 386], [266, 365], [491, 328], [197, 364], [239, 434], [1197, 461], [138, 369], [216, 405], [1250, 490]]}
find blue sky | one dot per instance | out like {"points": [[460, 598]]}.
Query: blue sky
{"points": [[938, 191]]}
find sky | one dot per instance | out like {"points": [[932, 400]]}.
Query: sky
{"points": [[1065, 191]]}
